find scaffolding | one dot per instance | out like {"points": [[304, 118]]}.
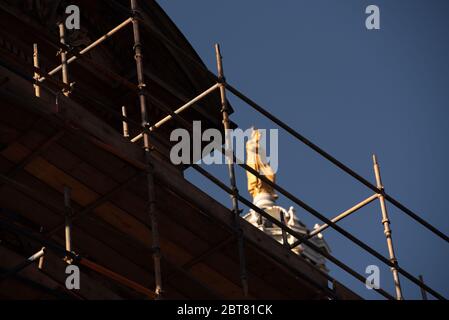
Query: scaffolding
{"points": [[148, 138]]}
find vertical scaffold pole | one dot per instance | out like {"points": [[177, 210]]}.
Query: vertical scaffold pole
{"points": [[41, 259], [387, 230], [231, 171], [146, 142], [37, 88], [423, 292], [284, 234], [67, 217], [125, 123], [63, 53]]}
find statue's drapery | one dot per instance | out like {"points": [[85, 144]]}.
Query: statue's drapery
{"points": [[256, 159]]}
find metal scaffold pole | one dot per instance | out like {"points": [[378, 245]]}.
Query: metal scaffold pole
{"points": [[37, 88], [125, 123], [68, 221], [230, 161], [146, 142], [423, 292], [63, 54], [387, 230]]}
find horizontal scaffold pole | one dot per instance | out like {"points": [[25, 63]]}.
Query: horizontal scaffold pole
{"points": [[178, 111], [341, 216]]}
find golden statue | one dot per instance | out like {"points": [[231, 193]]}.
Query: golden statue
{"points": [[264, 197], [255, 158]]}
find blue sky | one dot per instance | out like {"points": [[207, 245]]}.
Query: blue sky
{"points": [[353, 92]]}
